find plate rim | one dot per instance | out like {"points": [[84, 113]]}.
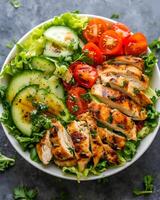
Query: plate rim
{"points": [[17, 147]]}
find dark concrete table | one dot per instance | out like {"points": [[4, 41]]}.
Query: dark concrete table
{"points": [[140, 15]]}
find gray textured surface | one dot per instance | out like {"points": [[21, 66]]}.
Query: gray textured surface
{"points": [[140, 16]]}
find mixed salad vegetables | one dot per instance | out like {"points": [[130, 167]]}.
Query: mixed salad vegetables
{"points": [[78, 94]]}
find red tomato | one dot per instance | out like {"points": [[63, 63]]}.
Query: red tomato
{"points": [[94, 30], [94, 53], [72, 83], [121, 29], [85, 75], [75, 101], [135, 44], [110, 43]]}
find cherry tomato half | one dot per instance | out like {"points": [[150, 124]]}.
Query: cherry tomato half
{"points": [[121, 29], [85, 75], [110, 43], [94, 30], [94, 53], [75, 101], [135, 44]]}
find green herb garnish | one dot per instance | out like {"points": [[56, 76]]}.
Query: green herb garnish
{"points": [[75, 108], [24, 193], [15, 3], [11, 44], [6, 162], [148, 186], [157, 93], [86, 96], [115, 16], [136, 91]]}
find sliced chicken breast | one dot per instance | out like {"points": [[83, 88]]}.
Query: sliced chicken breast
{"points": [[111, 154], [96, 148], [118, 100], [114, 140], [127, 87], [63, 148], [96, 143], [44, 149], [79, 133], [132, 74], [114, 119], [91, 122], [128, 60], [127, 70], [66, 163]]}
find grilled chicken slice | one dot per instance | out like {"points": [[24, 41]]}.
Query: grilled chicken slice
{"points": [[44, 149], [63, 148], [132, 74], [91, 122], [128, 60], [127, 87], [118, 100], [66, 163], [79, 133], [111, 154], [96, 148], [114, 140], [114, 119], [96, 143], [126, 70]]}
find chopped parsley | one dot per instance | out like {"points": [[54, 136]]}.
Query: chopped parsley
{"points": [[86, 96], [73, 98], [15, 3], [71, 150], [24, 193], [93, 133], [136, 91], [5, 162], [157, 93], [11, 44], [110, 118], [115, 16], [148, 186], [75, 108]]}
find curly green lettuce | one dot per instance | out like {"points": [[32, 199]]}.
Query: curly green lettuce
{"points": [[35, 43]]}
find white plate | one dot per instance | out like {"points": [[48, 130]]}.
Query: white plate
{"points": [[55, 171]]}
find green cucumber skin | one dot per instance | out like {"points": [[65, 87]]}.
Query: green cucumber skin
{"points": [[29, 77], [21, 107], [43, 64]]}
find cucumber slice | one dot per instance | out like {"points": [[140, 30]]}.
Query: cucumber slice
{"points": [[21, 80], [28, 77], [53, 50], [62, 36], [55, 105], [22, 107], [43, 64]]}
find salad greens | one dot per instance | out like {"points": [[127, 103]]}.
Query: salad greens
{"points": [[35, 115], [5, 162], [155, 46], [150, 61], [24, 193], [148, 186]]}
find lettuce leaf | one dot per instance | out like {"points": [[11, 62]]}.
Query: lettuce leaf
{"points": [[72, 20]]}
